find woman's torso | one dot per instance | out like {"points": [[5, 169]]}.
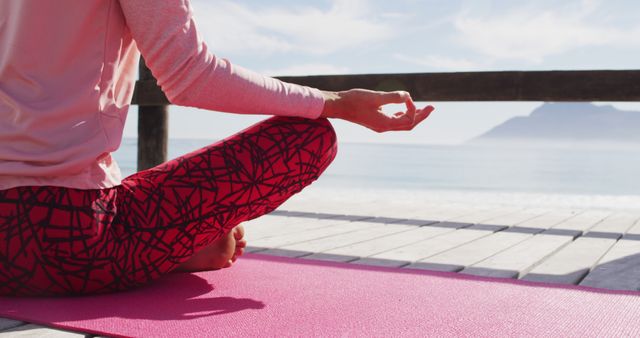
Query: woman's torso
{"points": [[66, 79]]}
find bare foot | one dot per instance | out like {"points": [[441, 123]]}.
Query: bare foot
{"points": [[220, 254]]}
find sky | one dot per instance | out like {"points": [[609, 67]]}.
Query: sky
{"points": [[289, 37]]}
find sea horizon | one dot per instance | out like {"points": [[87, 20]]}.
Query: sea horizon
{"points": [[568, 176]]}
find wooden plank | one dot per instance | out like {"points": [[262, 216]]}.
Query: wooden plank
{"points": [[493, 86], [380, 206], [339, 240], [519, 259], [619, 269], [618, 223], [635, 228], [434, 213], [282, 252], [302, 204], [339, 207], [6, 323], [550, 219], [404, 206], [269, 219], [377, 245], [515, 218], [582, 85], [32, 330], [292, 238], [316, 215], [343, 202], [583, 221], [429, 247], [438, 214], [418, 209], [381, 262], [470, 253], [271, 226], [571, 263], [258, 230], [483, 216], [308, 201]]}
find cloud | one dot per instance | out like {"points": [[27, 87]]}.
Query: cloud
{"points": [[232, 26], [307, 69], [532, 32], [441, 63]]}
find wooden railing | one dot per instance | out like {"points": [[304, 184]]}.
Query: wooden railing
{"points": [[554, 86]]}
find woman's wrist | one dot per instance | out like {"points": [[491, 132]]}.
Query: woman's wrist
{"points": [[330, 101]]}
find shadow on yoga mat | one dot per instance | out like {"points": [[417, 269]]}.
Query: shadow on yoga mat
{"points": [[270, 296]]}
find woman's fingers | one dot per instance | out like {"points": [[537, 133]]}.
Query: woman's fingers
{"points": [[422, 115], [411, 109], [392, 97], [401, 120], [364, 107], [398, 97]]}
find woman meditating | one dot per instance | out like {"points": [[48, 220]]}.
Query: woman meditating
{"points": [[68, 223]]}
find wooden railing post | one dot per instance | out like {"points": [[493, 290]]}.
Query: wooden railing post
{"points": [[153, 129]]}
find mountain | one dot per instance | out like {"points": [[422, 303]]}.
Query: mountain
{"points": [[569, 123]]}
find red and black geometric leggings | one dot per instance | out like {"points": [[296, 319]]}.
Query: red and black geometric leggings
{"points": [[59, 241]]}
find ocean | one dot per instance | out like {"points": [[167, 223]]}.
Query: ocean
{"points": [[462, 167], [588, 176]]}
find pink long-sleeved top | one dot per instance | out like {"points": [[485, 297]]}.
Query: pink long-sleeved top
{"points": [[67, 73]]}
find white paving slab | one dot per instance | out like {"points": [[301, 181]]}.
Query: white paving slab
{"points": [[634, 229], [377, 245], [483, 216], [617, 223], [470, 253], [272, 220], [256, 231], [309, 235], [552, 256], [550, 219], [438, 213], [571, 263], [431, 246], [339, 240], [583, 221], [317, 205], [519, 259], [518, 217]]}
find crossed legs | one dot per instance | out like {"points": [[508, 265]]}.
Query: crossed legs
{"points": [[66, 241]]}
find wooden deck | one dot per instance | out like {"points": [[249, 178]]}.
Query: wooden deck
{"points": [[593, 247], [596, 248]]}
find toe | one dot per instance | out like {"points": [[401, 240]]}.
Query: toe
{"points": [[238, 232], [239, 252]]}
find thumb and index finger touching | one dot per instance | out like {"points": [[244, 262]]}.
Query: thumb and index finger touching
{"points": [[398, 97]]}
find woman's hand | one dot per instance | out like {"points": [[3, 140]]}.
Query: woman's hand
{"points": [[364, 107]]}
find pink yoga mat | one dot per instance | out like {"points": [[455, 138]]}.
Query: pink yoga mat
{"points": [[267, 296]]}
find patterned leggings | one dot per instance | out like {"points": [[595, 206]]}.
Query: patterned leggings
{"points": [[59, 241]]}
